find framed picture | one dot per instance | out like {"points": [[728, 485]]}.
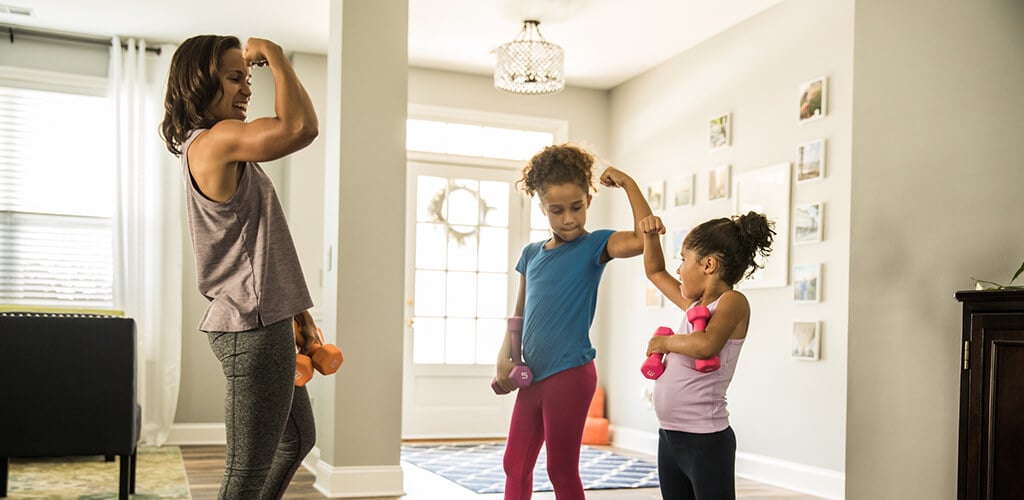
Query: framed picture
{"points": [[680, 190], [807, 221], [813, 99], [807, 283], [810, 161], [806, 343], [766, 190], [718, 182], [656, 195], [676, 249], [720, 132]]}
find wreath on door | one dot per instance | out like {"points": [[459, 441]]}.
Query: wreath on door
{"points": [[437, 206]]}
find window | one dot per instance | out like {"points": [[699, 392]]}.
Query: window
{"points": [[469, 225], [57, 191], [466, 139]]}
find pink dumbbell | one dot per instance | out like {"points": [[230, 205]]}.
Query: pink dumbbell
{"points": [[698, 317], [521, 376], [654, 366]]}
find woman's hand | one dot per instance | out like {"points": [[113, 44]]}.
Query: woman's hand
{"points": [[613, 177], [303, 322], [256, 51]]}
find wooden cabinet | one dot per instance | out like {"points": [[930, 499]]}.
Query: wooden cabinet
{"points": [[991, 441]]}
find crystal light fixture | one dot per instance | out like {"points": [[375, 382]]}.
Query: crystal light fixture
{"points": [[530, 64]]}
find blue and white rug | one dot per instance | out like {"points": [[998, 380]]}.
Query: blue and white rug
{"points": [[478, 467]]}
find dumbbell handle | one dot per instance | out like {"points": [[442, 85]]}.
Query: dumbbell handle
{"points": [[654, 365], [325, 358], [698, 316]]}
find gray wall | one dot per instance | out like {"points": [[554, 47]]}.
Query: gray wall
{"points": [[938, 163], [51, 55], [782, 409]]}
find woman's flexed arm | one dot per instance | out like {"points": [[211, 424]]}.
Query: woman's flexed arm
{"points": [[293, 127]]}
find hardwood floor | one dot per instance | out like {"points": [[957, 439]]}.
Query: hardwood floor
{"points": [[205, 466]]}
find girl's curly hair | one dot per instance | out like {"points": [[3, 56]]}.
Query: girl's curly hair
{"points": [[558, 164], [735, 241], [192, 84]]}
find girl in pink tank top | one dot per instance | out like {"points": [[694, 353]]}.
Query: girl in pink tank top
{"points": [[696, 446]]}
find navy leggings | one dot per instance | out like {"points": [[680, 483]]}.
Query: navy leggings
{"points": [[697, 466], [269, 421]]}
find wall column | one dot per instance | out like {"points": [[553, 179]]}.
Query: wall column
{"points": [[359, 409]]}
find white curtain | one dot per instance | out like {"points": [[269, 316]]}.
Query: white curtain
{"points": [[148, 230]]}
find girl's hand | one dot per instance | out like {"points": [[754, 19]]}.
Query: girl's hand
{"points": [[657, 345], [651, 225], [613, 177], [256, 50], [504, 368]]}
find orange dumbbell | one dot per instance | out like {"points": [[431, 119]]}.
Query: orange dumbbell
{"points": [[325, 358], [303, 369]]}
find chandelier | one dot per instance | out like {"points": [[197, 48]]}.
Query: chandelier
{"points": [[530, 64]]}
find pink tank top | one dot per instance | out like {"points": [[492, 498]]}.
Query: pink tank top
{"points": [[688, 400]]}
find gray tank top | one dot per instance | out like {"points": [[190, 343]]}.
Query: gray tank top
{"points": [[246, 263]]}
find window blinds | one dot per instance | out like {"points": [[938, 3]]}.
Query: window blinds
{"points": [[56, 198]]}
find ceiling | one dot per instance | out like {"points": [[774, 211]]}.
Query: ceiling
{"points": [[606, 42]]}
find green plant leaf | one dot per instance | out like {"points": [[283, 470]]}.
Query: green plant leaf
{"points": [[1019, 270], [991, 285]]}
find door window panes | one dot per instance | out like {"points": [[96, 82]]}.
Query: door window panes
{"points": [[462, 269]]}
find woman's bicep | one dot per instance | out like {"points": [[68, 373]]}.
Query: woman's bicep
{"points": [[261, 140]]}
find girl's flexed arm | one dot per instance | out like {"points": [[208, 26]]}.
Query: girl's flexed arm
{"points": [[624, 244], [654, 261]]}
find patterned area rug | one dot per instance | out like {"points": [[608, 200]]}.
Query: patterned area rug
{"points": [[478, 467], [159, 473]]}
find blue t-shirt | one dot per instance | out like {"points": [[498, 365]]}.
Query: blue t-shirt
{"points": [[561, 295]]}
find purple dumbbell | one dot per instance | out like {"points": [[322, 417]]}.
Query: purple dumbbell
{"points": [[521, 376], [698, 317], [654, 366]]}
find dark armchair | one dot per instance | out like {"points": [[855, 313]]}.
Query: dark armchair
{"points": [[67, 388]]}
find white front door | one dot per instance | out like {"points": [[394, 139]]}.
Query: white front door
{"points": [[465, 226]]}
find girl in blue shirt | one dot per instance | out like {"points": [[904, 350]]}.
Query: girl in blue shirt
{"points": [[557, 298]]}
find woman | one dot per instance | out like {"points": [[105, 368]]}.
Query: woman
{"points": [[246, 263]]}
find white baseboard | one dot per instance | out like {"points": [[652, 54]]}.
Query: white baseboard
{"points": [[193, 434], [359, 481], [784, 474], [631, 439], [791, 475]]}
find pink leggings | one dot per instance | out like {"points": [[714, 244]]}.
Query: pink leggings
{"points": [[551, 411]]}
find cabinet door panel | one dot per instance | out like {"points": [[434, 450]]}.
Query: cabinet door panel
{"points": [[997, 379]]}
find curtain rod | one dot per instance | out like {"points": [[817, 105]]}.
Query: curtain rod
{"points": [[64, 37]]}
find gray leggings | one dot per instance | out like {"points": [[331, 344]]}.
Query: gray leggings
{"points": [[269, 421]]}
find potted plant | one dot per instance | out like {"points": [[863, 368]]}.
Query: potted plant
{"points": [[991, 285]]}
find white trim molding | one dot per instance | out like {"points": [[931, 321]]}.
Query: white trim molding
{"points": [[808, 479], [359, 481], [197, 434]]}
